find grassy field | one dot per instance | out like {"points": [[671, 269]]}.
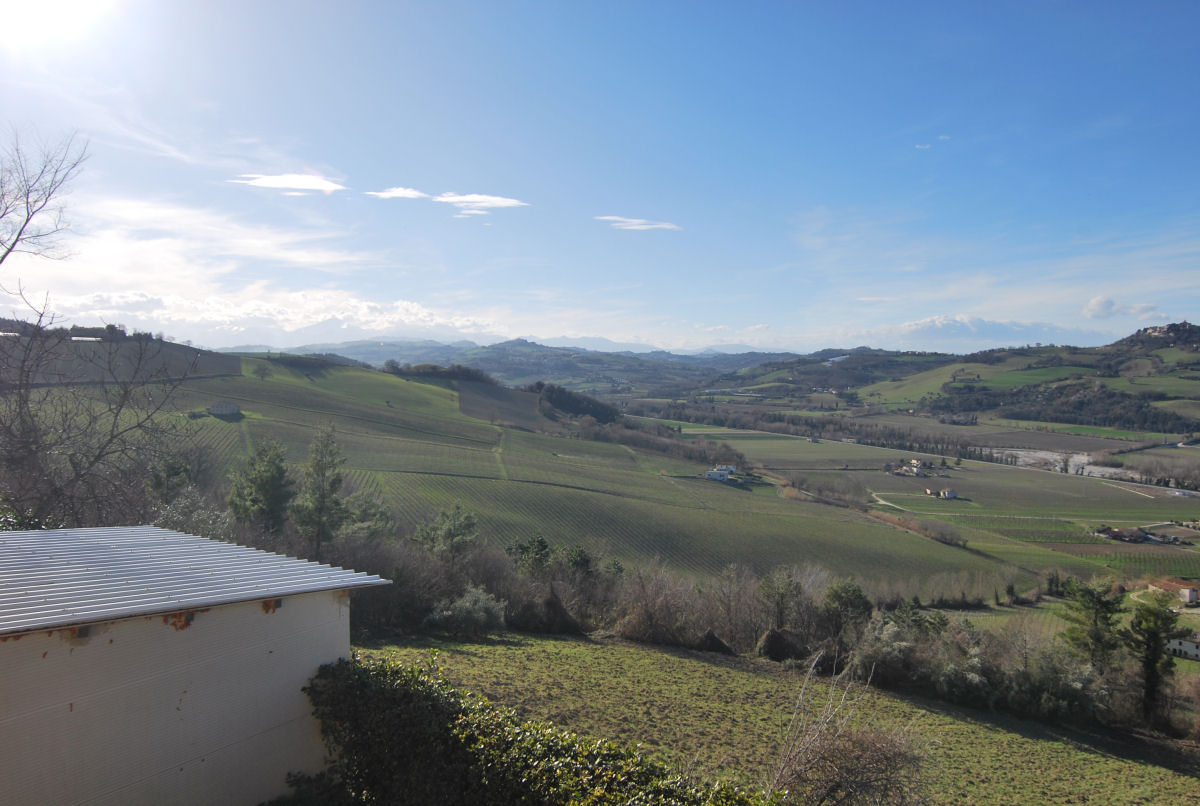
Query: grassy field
{"points": [[410, 442], [1084, 430], [724, 717], [413, 443], [996, 433], [1029, 518]]}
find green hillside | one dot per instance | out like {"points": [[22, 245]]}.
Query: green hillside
{"points": [[411, 442]]}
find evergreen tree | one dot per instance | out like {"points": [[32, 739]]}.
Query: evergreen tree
{"points": [[450, 532], [1092, 610], [262, 489], [319, 510], [1152, 626]]}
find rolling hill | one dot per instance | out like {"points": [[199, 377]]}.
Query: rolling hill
{"points": [[425, 446]]}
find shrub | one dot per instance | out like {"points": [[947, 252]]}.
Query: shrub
{"points": [[475, 613], [389, 730], [827, 761], [402, 735]]}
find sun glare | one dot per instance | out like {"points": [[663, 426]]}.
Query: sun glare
{"points": [[37, 26]]}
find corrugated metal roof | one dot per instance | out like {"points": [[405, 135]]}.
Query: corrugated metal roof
{"points": [[63, 577]]}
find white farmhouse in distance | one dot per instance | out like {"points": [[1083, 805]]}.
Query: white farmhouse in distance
{"points": [[1188, 647], [145, 666]]}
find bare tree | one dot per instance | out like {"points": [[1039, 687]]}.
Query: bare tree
{"points": [[827, 760], [82, 423], [32, 186]]}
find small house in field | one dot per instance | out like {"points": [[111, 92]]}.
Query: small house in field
{"points": [[727, 468], [146, 666], [947, 493], [224, 408], [717, 475], [1187, 591]]}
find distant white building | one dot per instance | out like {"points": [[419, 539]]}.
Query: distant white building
{"points": [[1188, 647], [727, 468], [145, 666], [717, 475]]}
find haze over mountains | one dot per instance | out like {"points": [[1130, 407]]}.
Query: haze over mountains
{"points": [[590, 343]]}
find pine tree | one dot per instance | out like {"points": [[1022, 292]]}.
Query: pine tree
{"points": [[1152, 626], [1092, 611], [319, 510], [262, 489]]}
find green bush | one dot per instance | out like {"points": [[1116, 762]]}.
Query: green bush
{"points": [[401, 735], [475, 613]]}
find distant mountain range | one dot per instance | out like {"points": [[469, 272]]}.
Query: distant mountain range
{"points": [[519, 361], [659, 373]]}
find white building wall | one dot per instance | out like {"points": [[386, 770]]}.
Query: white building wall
{"points": [[1185, 647], [157, 710]]}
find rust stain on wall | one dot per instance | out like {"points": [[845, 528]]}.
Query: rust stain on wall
{"points": [[181, 620]]}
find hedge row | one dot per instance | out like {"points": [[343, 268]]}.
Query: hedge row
{"points": [[401, 735]]}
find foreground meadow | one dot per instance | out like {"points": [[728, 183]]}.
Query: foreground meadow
{"points": [[724, 717]]}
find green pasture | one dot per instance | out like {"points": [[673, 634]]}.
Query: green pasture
{"points": [[409, 442], [995, 433], [1029, 519], [911, 389], [984, 488], [1015, 378], [1184, 408], [1082, 430], [1184, 385], [1174, 355], [725, 717]]}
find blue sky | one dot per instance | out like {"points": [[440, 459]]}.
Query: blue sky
{"points": [[941, 176]]}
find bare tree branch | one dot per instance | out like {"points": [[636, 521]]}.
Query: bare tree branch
{"points": [[32, 186]]}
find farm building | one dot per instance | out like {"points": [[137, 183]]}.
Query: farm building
{"points": [[717, 475], [141, 665], [224, 408], [1188, 592], [1188, 647]]}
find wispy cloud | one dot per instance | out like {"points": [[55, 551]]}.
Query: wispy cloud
{"points": [[621, 222], [1102, 307], [962, 333], [289, 182], [923, 146], [117, 235], [470, 204], [202, 274], [398, 193]]}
